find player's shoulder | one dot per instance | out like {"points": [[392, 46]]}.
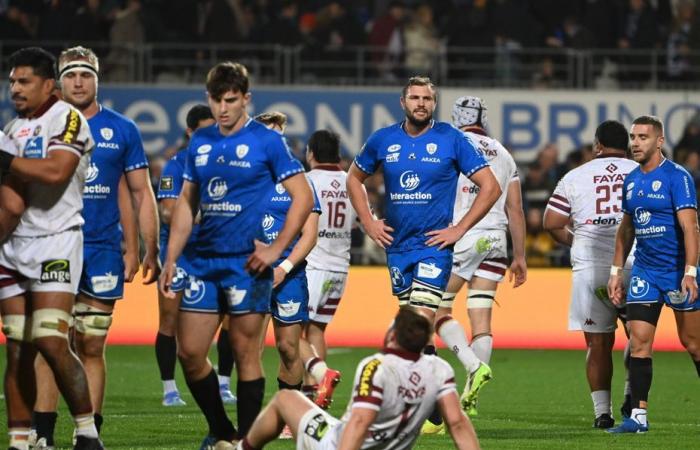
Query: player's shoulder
{"points": [[672, 168], [62, 110], [204, 136], [260, 131], [393, 131], [108, 114]]}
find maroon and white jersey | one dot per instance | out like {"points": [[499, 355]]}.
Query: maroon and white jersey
{"points": [[592, 196], [56, 126], [332, 250], [403, 388], [505, 171]]}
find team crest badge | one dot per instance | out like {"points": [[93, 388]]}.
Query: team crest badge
{"points": [[241, 151], [106, 133], [656, 185], [431, 148], [279, 188]]}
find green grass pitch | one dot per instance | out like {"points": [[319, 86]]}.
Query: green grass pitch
{"points": [[537, 400]]}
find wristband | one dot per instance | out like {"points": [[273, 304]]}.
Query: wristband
{"points": [[691, 271], [286, 265], [615, 271], [5, 160]]}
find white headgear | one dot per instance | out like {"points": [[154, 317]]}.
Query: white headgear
{"points": [[468, 111]]}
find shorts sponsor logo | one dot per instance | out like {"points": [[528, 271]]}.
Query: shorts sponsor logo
{"points": [[638, 287], [289, 308], [484, 244], [235, 297], [55, 271], [241, 151], [396, 276], [194, 292], [317, 427], [166, 184], [106, 133], [676, 297], [656, 185], [642, 215], [428, 271], [104, 283], [217, 188], [364, 387], [394, 148], [203, 149], [601, 293], [179, 278]]}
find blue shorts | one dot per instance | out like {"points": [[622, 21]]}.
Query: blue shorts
{"points": [[182, 265], [427, 266], [654, 286], [290, 300], [222, 285], [103, 273]]}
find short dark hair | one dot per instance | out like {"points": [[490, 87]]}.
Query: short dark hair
{"points": [[413, 330], [196, 114], [227, 76], [325, 146], [272, 118], [650, 120], [612, 134], [42, 62], [419, 81]]}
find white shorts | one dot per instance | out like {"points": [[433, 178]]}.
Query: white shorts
{"points": [[485, 256], [41, 264], [590, 309], [316, 430], [325, 291]]}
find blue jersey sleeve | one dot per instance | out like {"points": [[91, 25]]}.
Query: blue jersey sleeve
{"points": [[190, 174], [170, 183], [135, 156], [683, 191], [367, 159], [469, 160], [627, 187], [282, 162], [317, 204]]}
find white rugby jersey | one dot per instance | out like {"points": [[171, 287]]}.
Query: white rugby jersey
{"points": [[592, 196], [505, 171], [332, 250], [56, 126], [403, 388]]}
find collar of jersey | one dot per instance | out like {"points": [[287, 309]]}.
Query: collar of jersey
{"points": [[331, 167], [43, 108], [405, 354], [403, 128]]}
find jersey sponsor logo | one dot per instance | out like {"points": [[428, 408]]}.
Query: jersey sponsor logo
{"points": [[414, 378], [611, 168], [653, 230], [638, 287], [392, 157], [317, 427], [408, 393], [268, 222], [396, 276], [235, 297], [473, 189], [55, 271], [615, 178], [203, 149], [335, 184], [431, 148], [70, 133], [656, 185], [217, 188], [201, 160], [110, 145], [104, 283], [224, 207], [241, 151], [195, 291], [364, 388], [24, 132], [106, 133], [409, 180], [289, 308], [394, 148], [428, 270], [333, 194], [642, 215], [166, 184], [334, 234], [34, 147], [92, 173], [242, 164], [430, 160], [603, 221]]}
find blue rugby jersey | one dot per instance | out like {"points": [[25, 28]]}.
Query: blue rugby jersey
{"points": [[234, 174], [169, 186], [652, 199], [118, 149], [420, 177]]}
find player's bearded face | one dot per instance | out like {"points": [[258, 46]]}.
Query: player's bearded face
{"points": [[644, 142], [79, 88], [29, 91], [419, 104], [230, 109]]}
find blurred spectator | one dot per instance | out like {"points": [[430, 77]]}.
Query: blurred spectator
{"points": [[284, 26], [541, 177], [91, 22], [386, 32], [470, 26], [336, 30], [545, 77], [690, 141], [17, 24], [539, 245], [679, 62], [127, 29], [692, 165], [577, 157], [422, 43], [638, 30]]}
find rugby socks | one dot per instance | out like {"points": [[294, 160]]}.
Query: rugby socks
{"points": [[19, 438], [316, 367], [223, 348], [250, 397], [482, 346], [452, 334], [166, 355], [697, 366], [602, 402], [169, 386], [224, 381], [639, 415], [98, 422], [206, 394], [245, 445], [283, 385], [45, 423], [85, 426], [640, 380]]}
